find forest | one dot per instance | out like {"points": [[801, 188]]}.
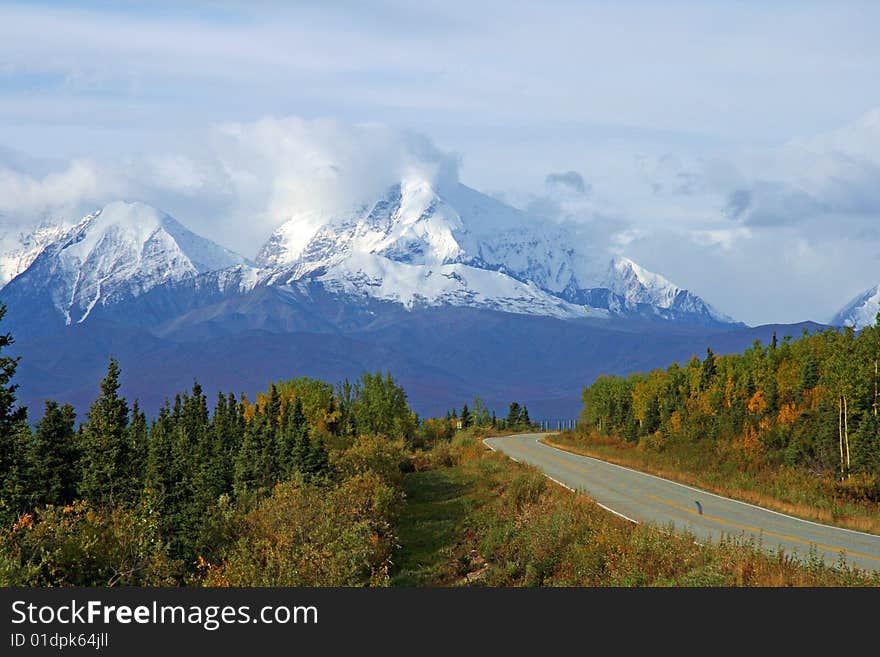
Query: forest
{"points": [[312, 484], [809, 403], [300, 486]]}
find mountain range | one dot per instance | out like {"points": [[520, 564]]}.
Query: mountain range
{"points": [[454, 291]]}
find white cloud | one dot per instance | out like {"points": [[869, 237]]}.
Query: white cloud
{"points": [[240, 183], [278, 166]]}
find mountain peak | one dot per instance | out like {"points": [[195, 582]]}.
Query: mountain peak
{"points": [[410, 223], [861, 311], [426, 229], [120, 251]]}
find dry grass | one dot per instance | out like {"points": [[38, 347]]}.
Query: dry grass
{"points": [[488, 521], [861, 517]]}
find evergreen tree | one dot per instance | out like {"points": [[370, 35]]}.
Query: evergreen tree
{"points": [[227, 428], [138, 448], [316, 464], [513, 416], [10, 415], [293, 445], [104, 443], [708, 370], [273, 406], [524, 418], [255, 462], [14, 435], [466, 418], [54, 458]]}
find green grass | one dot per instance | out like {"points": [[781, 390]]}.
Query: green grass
{"points": [[434, 525]]}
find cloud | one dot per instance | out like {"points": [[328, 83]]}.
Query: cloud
{"points": [[281, 166], [833, 177], [571, 180], [239, 183], [26, 199]]}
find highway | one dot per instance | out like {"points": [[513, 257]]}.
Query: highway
{"points": [[645, 498]]}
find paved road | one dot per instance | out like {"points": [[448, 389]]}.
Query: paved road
{"points": [[645, 498]]}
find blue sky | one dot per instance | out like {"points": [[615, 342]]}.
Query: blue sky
{"points": [[729, 146]]}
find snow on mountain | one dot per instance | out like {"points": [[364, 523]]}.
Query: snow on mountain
{"points": [[371, 276], [17, 252], [861, 311], [638, 286], [416, 237], [411, 224], [120, 251], [416, 246]]}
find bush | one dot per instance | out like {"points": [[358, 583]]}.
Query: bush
{"points": [[377, 454], [307, 536], [79, 546]]}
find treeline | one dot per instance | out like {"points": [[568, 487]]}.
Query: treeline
{"points": [[300, 486], [479, 416], [811, 402]]}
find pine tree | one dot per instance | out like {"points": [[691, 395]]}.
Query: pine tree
{"points": [[255, 462], [317, 464], [138, 448], [708, 370], [54, 458], [14, 435], [10, 415], [227, 427], [293, 440], [513, 416], [466, 418], [524, 419], [104, 444]]}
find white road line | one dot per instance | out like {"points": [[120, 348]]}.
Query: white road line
{"points": [[617, 513], [556, 481], [705, 492], [566, 486]]}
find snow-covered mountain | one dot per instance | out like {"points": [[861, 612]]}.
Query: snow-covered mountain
{"points": [[461, 247], [115, 253], [416, 247], [861, 311], [18, 251]]}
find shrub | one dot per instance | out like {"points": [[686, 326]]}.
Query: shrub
{"points": [[377, 454], [77, 545], [307, 536]]}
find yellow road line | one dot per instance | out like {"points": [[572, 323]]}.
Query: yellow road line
{"points": [[759, 530], [722, 521]]}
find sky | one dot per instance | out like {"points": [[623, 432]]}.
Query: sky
{"points": [[733, 147]]}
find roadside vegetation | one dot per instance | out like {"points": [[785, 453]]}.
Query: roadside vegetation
{"points": [[792, 425], [476, 518]]}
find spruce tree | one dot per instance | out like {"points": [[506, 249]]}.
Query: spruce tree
{"points": [[524, 418], [708, 370], [255, 461], [10, 415], [54, 458], [513, 415], [104, 443], [15, 435], [138, 449], [466, 419], [317, 464], [293, 445]]}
